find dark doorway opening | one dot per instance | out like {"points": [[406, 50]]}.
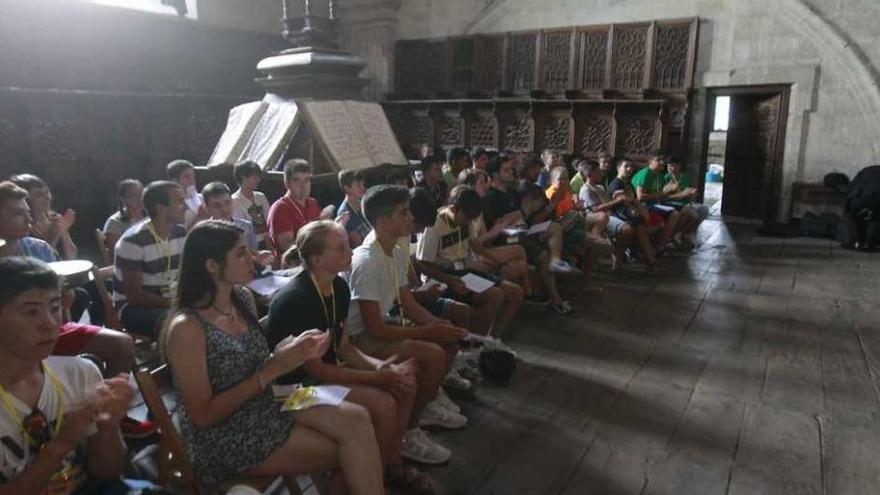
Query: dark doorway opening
{"points": [[744, 140]]}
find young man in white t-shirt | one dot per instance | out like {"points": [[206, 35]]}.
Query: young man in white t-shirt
{"points": [[59, 421], [445, 250], [183, 172], [248, 203], [383, 304]]}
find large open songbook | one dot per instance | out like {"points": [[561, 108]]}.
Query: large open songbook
{"points": [[352, 134]]}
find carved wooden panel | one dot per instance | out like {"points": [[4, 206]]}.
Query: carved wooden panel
{"points": [[671, 56], [638, 135], [523, 58], [518, 133], [556, 65], [482, 131], [434, 66], [556, 133], [491, 63], [595, 135], [463, 64], [53, 127], [407, 54], [421, 129], [594, 51], [630, 52], [8, 145], [450, 130]]}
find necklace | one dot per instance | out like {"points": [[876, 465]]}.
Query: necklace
{"points": [[230, 315]]}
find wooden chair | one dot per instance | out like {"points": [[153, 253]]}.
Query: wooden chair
{"points": [[103, 250], [175, 469]]}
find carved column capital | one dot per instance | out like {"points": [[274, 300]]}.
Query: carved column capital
{"points": [[368, 28]]}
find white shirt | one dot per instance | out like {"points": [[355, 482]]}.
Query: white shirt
{"points": [[256, 212], [372, 279], [77, 377]]}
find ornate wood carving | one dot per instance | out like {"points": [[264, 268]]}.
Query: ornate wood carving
{"points": [[639, 136], [671, 56], [593, 59], [556, 133], [556, 67], [630, 50], [7, 144], [595, 135], [450, 130], [482, 130], [523, 53], [491, 66], [421, 129], [463, 64], [518, 133]]}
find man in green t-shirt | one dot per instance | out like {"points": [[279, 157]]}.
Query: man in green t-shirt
{"points": [[609, 173], [649, 184]]}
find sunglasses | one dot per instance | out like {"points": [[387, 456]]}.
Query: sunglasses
{"points": [[36, 425]]}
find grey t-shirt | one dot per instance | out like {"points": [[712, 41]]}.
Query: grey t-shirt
{"points": [[592, 195], [372, 279]]}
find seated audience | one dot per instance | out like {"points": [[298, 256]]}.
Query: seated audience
{"points": [[295, 209], [551, 160], [84, 453], [501, 203], [446, 255], [218, 204], [116, 349], [682, 194], [352, 184], [479, 158], [595, 199], [248, 203], [130, 203], [609, 173], [183, 173], [318, 298], [147, 260], [432, 180], [457, 159], [223, 366], [47, 224], [378, 322], [529, 171], [648, 183]]}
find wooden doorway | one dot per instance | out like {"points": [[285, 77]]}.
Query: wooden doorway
{"points": [[753, 155]]}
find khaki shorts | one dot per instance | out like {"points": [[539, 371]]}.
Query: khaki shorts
{"points": [[377, 348]]}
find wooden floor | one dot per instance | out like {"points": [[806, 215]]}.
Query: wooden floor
{"points": [[753, 369]]}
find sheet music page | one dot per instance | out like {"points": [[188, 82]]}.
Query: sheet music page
{"points": [[239, 126], [372, 124], [272, 134], [332, 125]]}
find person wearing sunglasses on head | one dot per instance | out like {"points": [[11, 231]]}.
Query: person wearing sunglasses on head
{"points": [[59, 420]]}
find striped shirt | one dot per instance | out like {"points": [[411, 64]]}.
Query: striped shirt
{"points": [[138, 250]]}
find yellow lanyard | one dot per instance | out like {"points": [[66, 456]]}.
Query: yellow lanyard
{"points": [[162, 245], [331, 322], [13, 412]]}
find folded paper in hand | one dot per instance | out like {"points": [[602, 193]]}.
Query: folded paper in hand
{"points": [[476, 283], [321, 395]]}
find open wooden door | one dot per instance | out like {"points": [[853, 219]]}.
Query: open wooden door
{"points": [[753, 167]]}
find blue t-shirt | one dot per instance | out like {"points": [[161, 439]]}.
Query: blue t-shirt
{"points": [[32, 247], [356, 221]]}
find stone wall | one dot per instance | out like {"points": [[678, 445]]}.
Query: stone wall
{"points": [[828, 51]]}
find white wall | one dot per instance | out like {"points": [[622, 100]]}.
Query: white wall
{"points": [[828, 49]]}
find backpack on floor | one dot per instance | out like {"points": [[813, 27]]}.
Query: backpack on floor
{"points": [[823, 226]]}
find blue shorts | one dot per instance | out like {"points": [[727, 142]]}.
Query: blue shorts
{"points": [[440, 307], [615, 226]]}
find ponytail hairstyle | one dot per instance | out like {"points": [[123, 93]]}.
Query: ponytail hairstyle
{"points": [[311, 240], [122, 190]]}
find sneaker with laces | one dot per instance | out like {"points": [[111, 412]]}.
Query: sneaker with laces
{"points": [[133, 429], [561, 309], [418, 447], [445, 402], [455, 381], [562, 266], [436, 415]]}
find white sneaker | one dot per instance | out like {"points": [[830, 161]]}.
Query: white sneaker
{"points": [[446, 403], [455, 381], [419, 448], [437, 415], [562, 266]]}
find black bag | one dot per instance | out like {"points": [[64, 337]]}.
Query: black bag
{"points": [[823, 226], [846, 234]]}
